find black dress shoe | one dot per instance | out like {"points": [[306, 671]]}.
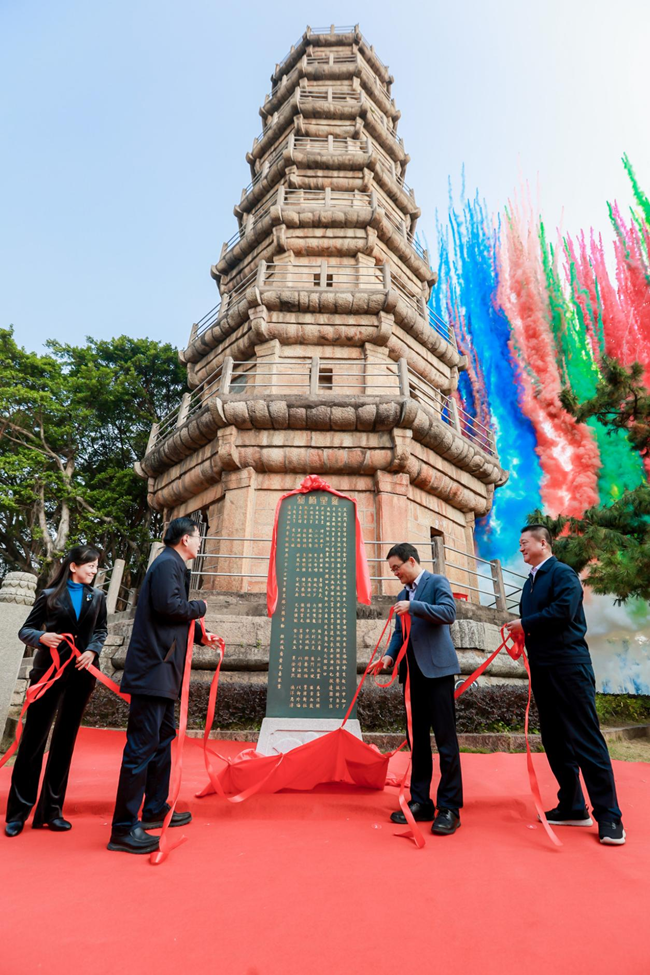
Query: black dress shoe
{"points": [[58, 825], [421, 813], [178, 819], [446, 823], [13, 829], [137, 841]]}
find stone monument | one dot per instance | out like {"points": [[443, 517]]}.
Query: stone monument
{"points": [[313, 652], [16, 596]]}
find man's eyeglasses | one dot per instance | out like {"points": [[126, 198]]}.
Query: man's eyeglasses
{"points": [[394, 568]]}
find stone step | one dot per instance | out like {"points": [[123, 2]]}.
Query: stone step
{"points": [[254, 633], [254, 604], [247, 640]]}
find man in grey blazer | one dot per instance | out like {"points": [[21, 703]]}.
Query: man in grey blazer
{"points": [[432, 664]]}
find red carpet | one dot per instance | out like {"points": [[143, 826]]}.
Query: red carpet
{"points": [[316, 884]]}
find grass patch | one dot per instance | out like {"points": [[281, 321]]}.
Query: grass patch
{"points": [[634, 750], [621, 709]]}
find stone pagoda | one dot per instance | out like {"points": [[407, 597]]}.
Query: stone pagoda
{"points": [[323, 356]]}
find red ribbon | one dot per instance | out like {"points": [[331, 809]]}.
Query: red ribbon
{"points": [[532, 776], [215, 784], [56, 668], [165, 846], [55, 671], [414, 832], [516, 648], [315, 483]]}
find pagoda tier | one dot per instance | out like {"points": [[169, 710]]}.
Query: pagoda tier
{"points": [[323, 355]]}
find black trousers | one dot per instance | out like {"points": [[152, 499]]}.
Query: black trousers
{"points": [[146, 762], [565, 695], [66, 699], [433, 707]]}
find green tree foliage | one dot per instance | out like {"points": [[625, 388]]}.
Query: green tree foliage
{"points": [[621, 402], [72, 423], [611, 541]]}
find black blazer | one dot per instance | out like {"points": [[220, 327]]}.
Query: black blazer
{"points": [[552, 616], [156, 655], [89, 631]]}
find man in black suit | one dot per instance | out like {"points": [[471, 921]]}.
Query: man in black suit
{"points": [[153, 673], [563, 682], [432, 664]]}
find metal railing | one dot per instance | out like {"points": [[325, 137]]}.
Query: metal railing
{"points": [[323, 275], [378, 151], [331, 144], [417, 246], [399, 222], [190, 404], [306, 143], [329, 93], [383, 122], [407, 189], [494, 592], [324, 58], [319, 376], [297, 198], [489, 589], [265, 167], [118, 596], [371, 48], [417, 303], [227, 302], [289, 53], [249, 222], [331, 58], [449, 411], [327, 197], [333, 29]]}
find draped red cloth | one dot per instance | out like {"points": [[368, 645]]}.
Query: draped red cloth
{"points": [[338, 756], [315, 483]]}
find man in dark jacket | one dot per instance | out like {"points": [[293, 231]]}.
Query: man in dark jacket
{"points": [[153, 673], [563, 682], [432, 664]]}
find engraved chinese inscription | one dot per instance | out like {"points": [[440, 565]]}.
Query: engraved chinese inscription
{"points": [[312, 665]]}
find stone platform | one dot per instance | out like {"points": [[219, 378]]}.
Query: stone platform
{"points": [[242, 622]]}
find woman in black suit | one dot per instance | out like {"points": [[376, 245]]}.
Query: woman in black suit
{"points": [[69, 605]]}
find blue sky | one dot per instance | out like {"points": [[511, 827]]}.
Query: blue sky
{"points": [[125, 127]]}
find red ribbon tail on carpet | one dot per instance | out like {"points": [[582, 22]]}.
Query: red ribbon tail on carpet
{"points": [[516, 648], [165, 846], [532, 776], [215, 786]]}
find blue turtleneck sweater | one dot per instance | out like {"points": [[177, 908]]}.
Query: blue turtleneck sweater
{"points": [[76, 591]]}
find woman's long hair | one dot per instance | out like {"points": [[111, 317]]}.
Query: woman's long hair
{"points": [[80, 555]]}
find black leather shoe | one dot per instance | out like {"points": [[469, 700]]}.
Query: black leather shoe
{"points": [[446, 823], [137, 841], [13, 829], [58, 825], [178, 819], [421, 813]]}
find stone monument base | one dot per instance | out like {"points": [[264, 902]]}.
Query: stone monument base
{"points": [[282, 734]]}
